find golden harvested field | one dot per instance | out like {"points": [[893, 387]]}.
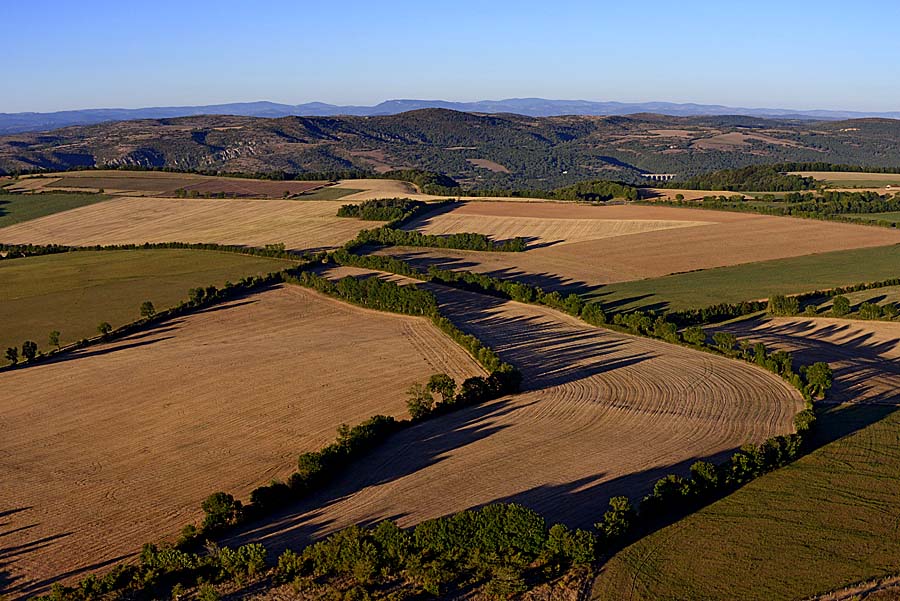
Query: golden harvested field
{"points": [[380, 188], [875, 181], [714, 239], [865, 355], [543, 226], [159, 183], [301, 225], [603, 414], [117, 445]]}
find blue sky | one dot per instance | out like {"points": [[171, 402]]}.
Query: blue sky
{"points": [[797, 54]]}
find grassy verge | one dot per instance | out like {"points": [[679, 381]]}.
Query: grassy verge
{"points": [[798, 531], [16, 208], [73, 292], [752, 280]]}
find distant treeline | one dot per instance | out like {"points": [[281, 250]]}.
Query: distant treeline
{"points": [[767, 178], [587, 191], [272, 251], [835, 168]]}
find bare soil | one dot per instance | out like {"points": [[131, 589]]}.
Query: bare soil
{"points": [[118, 445]]}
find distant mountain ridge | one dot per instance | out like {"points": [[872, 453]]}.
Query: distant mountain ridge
{"points": [[533, 107]]}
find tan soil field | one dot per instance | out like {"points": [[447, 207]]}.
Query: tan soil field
{"points": [[471, 217], [604, 414], [118, 445], [725, 239], [671, 193], [380, 188], [159, 183], [850, 176], [865, 355], [301, 225]]}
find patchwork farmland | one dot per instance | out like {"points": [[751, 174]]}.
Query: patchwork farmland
{"points": [[148, 425]]}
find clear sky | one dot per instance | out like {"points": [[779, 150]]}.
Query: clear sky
{"points": [[804, 54]]}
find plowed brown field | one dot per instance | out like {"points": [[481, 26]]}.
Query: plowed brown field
{"points": [[301, 225], [118, 445], [672, 240], [604, 414]]}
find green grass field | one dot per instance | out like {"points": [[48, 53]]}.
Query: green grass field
{"points": [[754, 280], [74, 292], [891, 216], [819, 524], [328, 193], [15, 208]]}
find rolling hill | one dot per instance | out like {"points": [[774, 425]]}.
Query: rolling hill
{"points": [[484, 151]]}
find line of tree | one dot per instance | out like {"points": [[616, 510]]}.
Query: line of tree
{"points": [[829, 205], [393, 210], [746, 179], [386, 236], [586, 191], [272, 251], [818, 166]]}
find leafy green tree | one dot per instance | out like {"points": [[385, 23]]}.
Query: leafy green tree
{"points": [[104, 328], [694, 335], [780, 304], [147, 310], [704, 476], [869, 311], [840, 306], [221, 510], [818, 379], [53, 339], [617, 520], [420, 401], [29, 350], [12, 354], [725, 341], [443, 385]]}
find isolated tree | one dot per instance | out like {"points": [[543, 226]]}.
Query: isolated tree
{"points": [[104, 328], [443, 385], [29, 350], [840, 306], [53, 339], [12, 354], [869, 311], [420, 401], [147, 310]]}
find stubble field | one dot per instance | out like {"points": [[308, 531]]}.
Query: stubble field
{"points": [[300, 225], [118, 444], [822, 523], [160, 183], [706, 240], [603, 414]]}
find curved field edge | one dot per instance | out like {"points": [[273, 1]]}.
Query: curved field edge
{"points": [[823, 523], [605, 414], [73, 292], [200, 403]]}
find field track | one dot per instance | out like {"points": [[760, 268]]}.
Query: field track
{"points": [[603, 414], [825, 522], [723, 239], [301, 225], [117, 445]]}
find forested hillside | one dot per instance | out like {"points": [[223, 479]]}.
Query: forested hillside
{"points": [[479, 151]]}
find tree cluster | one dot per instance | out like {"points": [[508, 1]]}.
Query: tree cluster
{"points": [[747, 179], [383, 209]]}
